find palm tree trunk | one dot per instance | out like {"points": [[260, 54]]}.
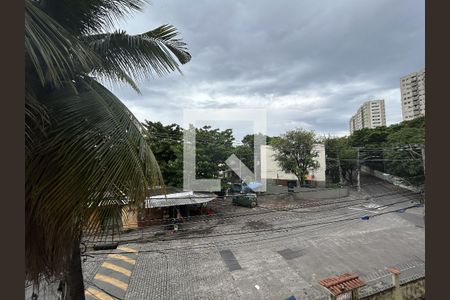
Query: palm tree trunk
{"points": [[74, 274]]}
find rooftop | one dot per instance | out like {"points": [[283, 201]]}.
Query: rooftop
{"points": [[343, 283], [174, 199]]}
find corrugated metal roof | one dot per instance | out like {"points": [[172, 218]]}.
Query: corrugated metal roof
{"points": [[183, 198], [342, 283]]}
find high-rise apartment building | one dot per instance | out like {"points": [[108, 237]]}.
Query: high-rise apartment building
{"points": [[412, 89], [370, 115]]}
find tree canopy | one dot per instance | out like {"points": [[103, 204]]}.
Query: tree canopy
{"points": [[166, 143], [395, 150], [246, 151], [341, 155], [295, 152], [213, 147]]}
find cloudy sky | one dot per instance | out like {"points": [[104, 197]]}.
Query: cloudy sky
{"points": [[309, 63]]}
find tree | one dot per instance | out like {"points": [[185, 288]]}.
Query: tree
{"points": [[372, 141], [83, 146], [213, 149], [404, 158], [295, 152], [166, 142], [394, 149], [246, 151], [341, 155]]}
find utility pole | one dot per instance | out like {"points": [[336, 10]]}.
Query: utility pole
{"points": [[422, 153], [423, 158], [340, 169], [358, 174], [240, 170], [422, 148]]}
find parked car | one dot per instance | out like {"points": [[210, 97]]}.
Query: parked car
{"points": [[247, 200]]}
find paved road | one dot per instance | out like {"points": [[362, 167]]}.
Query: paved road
{"points": [[373, 187], [274, 254], [266, 253]]}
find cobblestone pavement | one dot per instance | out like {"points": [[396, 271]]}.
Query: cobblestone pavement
{"points": [[280, 252]]}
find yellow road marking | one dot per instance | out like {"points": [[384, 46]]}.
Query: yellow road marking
{"points": [[97, 294], [115, 282], [113, 267], [127, 249], [122, 258]]}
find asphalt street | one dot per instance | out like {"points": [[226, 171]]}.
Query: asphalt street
{"points": [[267, 253], [281, 248]]}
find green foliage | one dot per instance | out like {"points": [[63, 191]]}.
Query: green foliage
{"points": [[406, 161], [295, 152], [167, 146], [386, 149], [246, 151], [339, 152], [249, 139], [213, 147], [246, 154], [133, 56]]}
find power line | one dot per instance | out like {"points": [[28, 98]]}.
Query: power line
{"points": [[266, 230], [203, 218], [237, 240], [375, 159], [297, 207], [282, 193]]}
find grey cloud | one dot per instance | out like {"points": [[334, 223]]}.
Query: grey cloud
{"points": [[311, 63]]}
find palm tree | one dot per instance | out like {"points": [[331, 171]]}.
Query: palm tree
{"points": [[82, 144]]}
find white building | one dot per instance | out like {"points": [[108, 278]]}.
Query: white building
{"points": [[412, 87], [370, 115], [273, 174]]}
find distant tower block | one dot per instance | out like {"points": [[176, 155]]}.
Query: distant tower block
{"points": [[371, 114], [412, 88]]}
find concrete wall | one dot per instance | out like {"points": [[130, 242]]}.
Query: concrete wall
{"points": [[309, 193], [269, 166], [325, 193], [412, 290], [271, 170], [389, 178]]}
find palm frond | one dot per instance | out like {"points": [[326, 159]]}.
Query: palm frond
{"points": [[36, 120], [53, 52], [150, 53], [85, 152], [82, 17], [92, 151], [115, 75]]}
